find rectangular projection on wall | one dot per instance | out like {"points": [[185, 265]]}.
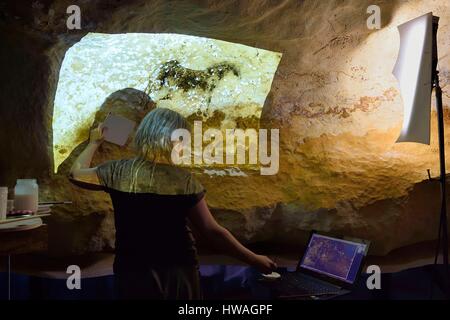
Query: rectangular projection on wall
{"points": [[100, 64], [413, 72]]}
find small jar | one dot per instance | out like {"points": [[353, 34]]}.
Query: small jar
{"points": [[26, 195]]}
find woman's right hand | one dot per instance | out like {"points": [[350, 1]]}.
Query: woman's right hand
{"points": [[263, 264], [97, 135]]}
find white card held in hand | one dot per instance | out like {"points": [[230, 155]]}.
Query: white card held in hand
{"points": [[119, 129]]}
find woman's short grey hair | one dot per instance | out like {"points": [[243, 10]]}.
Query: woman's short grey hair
{"points": [[153, 136]]}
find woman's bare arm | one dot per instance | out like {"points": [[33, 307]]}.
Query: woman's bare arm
{"points": [[81, 169], [202, 219]]}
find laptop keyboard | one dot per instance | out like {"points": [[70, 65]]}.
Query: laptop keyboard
{"points": [[298, 284]]}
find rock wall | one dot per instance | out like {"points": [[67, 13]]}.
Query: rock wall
{"points": [[333, 97]]}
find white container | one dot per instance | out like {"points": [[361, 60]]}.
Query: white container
{"points": [[26, 195], [3, 202]]}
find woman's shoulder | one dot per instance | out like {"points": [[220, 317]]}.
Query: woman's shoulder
{"points": [[145, 176], [174, 170], [113, 164], [181, 179]]}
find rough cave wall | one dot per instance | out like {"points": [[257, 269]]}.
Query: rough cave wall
{"points": [[333, 98]]}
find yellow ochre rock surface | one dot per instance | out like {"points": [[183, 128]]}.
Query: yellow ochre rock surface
{"points": [[333, 97]]}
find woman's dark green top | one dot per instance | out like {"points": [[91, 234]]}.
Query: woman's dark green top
{"points": [[151, 203]]}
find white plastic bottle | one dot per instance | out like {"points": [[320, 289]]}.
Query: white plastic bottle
{"points": [[26, 195]]}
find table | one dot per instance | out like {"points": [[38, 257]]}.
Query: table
{"points": [[22, 242], [410, 284]]}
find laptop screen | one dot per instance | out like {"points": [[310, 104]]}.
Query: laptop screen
{"points": [[336, 258]]}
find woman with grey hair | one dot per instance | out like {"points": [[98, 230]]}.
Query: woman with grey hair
{"points": [[156, 255]]}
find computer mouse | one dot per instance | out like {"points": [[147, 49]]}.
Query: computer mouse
{"points": [[272, 276]]}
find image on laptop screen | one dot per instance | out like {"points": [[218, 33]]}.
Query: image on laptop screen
{"points": [[336, 258]]}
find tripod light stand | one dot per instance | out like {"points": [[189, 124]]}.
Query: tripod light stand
{"points": [[416, 71]]}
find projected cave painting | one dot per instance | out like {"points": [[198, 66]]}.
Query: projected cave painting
{"points": [[224, 84], [187, 79]]}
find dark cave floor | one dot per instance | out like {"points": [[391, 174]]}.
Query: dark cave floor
{"points": [[100, 264]]}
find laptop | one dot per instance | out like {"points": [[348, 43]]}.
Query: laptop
{"points": [[329, 268]]}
